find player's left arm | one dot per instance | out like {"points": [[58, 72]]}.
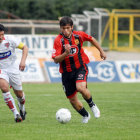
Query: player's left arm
{"points": [[24, 49], [92, 40], [97, 45]]}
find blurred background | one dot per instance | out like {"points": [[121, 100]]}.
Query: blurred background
{"points": [[114, 83], [114, 23]]}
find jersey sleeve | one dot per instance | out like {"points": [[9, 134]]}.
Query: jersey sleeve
{"points": [[85, 37], [57, 48], [16, 42]]}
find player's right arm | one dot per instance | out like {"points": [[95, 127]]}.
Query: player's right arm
{"points": [[57, 55]]}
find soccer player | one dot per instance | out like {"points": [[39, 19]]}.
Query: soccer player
{"points": [[68, 52], [10, 72]]}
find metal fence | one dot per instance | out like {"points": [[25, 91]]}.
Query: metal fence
{"points": [[20, 26], [116, 30], [125, 30]]}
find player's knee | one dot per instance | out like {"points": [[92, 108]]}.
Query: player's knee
{"points": [[72, 100], [76, 104], [19, 93], [80, 89], [4, 88]]}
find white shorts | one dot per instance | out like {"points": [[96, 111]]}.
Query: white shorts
{"points": [[12, 76]]}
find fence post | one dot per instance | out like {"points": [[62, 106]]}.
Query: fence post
{"points": [[131, 31]]}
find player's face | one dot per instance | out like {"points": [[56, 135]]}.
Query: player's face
{"points": [[66, 30], [1, 36]]}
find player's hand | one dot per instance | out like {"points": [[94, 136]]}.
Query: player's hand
{"points": [[103, 55], [22, 66], [67, 48]]}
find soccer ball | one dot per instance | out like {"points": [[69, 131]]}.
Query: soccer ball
{"points": [[63, 115]]}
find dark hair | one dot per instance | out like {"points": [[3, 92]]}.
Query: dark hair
{"points": [[2, 28], [66, 20]]}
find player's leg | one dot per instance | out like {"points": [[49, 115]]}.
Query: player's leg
{"points": [[81, 86], [78, 106], [4, 86], [70, 90], [15, 82], [21, 102]]}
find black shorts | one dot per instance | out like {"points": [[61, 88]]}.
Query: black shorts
{"points": [[69, 80]]}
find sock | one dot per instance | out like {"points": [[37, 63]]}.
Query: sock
{"points": [[83, 112], [10, 102], [90, 102], [21, 102]]}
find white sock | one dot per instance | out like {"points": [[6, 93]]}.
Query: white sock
{"points": [[21, 102], [10, 102]]}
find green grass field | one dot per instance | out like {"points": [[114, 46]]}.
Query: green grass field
{"points": [[119, 105]]}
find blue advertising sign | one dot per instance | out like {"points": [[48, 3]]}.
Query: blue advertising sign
{"points": [[129, 71], [32, 72], [104, 71], [52, 71]]}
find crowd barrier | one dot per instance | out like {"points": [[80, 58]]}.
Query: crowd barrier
{"points": [[33, 71], [99, 71], [41, 68], [102, 71]]}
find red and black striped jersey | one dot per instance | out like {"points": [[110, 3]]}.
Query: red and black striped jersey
{"points": [[77, 56]]}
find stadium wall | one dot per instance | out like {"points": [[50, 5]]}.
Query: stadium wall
{"points": [[99, 71], [40, 68], [102, 71]]}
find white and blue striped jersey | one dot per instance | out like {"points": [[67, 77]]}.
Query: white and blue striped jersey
{"points": [[7, 51]]}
